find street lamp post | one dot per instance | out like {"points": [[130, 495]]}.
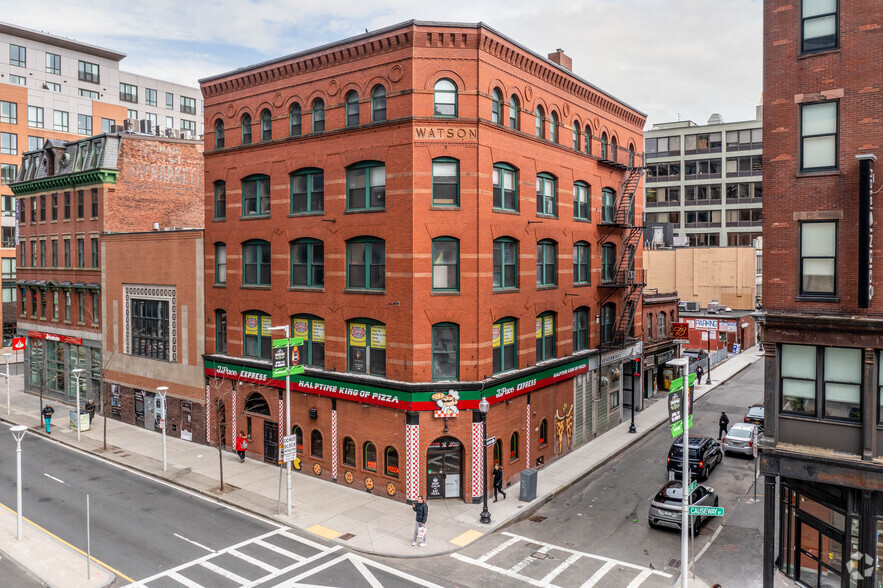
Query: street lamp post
{"points": [[635, 365], [76, 372], [162, 394], [6, 356], [284, 328], [708, 381], [483, 407], [18, 431]]}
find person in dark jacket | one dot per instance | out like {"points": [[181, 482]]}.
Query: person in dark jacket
{"points": [[722, 424], [498, 481], [90, 408], [47, 413], [699, 373], [422, 511]]}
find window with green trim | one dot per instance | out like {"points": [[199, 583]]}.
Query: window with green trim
{"points": [[446, 264], [369, 457], [307, 263], [553, 127], [581, 329], [445, 98], [256, 263], [505, 345], [543, 437], [220, 264], [256, 196], [257, 336], [497, 107], [378, 104], [318, 115], [391, 462], [219, 134], [312, 330], [246, 129], [366, 263], [505, 263], [576, 136], [604, 145], [614, 149], [547, 267], [581, 210], [445, 182], [445, 352], [366, 186], [266, 125], [608, 315], [308, 191], [547, 195], [366, 347], [631, 155], [220, 200], [545, 336], [587, 144], [220, 330], [295, 120], [608, 205], [582, 273], [608, 262], [505, 187], [352, 109], [540, 115], [513, 447], [316, 449], [513, 112]]}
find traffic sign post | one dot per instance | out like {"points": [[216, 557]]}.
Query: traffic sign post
{"points": [[706, 511], [692, 487], [490, 441], [289, 448]]}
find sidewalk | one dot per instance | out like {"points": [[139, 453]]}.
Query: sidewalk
{"points": [[357, 520]]}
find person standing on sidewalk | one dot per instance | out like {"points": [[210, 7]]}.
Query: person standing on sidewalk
{"points": [[47, 413], [498, 481], [241, 446], [422, 511], [699, 373], [90, 408], [722, 425]]}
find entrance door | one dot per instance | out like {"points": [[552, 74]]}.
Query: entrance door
{"points": [[819, 552], [444, 462], [186, 420], [150, 411], [271, 441]]}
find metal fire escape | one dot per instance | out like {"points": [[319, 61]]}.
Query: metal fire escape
{"points": [[625, 282]]}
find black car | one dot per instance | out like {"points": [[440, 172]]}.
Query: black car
{"points": [[705, 454], [755, 416]]}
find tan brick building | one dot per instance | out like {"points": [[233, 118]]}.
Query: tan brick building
{"points": [[443, 215]]}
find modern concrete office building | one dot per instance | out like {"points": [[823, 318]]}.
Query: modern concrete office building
{"points": [[705, 180]]}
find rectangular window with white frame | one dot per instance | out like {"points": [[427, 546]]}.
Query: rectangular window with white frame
{"points": [[151, 326], [818, 258], [818, 136]]}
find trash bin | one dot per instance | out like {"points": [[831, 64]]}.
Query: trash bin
{"points": [[84, 420], [528, 485]]}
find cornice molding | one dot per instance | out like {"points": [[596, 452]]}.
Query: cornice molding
{"points": [[92, 176]]}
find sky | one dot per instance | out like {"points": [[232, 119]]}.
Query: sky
{"points": [[671, 59]]}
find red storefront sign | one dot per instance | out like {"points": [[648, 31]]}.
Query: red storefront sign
{"points": [[59, 338], [18, 343]]}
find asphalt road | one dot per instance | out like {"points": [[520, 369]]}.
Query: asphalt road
{"points": [[15, 576], [602, 520]]}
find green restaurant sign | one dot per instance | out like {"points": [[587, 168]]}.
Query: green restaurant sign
{"points": [[399, 399]]}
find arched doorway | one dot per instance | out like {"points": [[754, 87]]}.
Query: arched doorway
{"points": [[256, 404], [444, 468]]}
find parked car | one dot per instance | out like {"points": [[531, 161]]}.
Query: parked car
{"points": [[705, 454], [667, 506], [741, 439], [755, 415]]}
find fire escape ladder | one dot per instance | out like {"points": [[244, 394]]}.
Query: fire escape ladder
{"points": [[627, 190]]}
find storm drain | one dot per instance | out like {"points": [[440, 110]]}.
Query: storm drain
{"points": [[539, 555], [674, 563], [346, 536], [537, 518]]}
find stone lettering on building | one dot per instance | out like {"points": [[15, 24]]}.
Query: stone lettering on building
{"points": [[444, 134]]}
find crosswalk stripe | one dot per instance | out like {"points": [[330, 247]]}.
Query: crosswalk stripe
{"points": [[223, 572], [303, 540], [599, 574], [561, 567], [253, 561], [526, 561], [639, 579], [369, 577], [498, 549], [279, 550], [181, 579]]}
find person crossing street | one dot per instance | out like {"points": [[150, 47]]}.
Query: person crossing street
{"points": [[723, 423]]}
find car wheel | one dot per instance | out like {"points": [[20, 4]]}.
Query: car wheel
{"points": [[715, 500], [695, 528]]}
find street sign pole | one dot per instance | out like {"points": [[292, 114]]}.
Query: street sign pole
{"points": [[685, 483]]}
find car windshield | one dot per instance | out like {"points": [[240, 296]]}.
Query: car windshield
{"points": [[739, 433], [676, 452], [670, 495], [755, 411]]}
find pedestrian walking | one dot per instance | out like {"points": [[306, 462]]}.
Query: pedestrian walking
{"points": [[47, 413], [498, 481], [241, 445], [90, 408], [420, 525], [722, 425], [699, 373]]}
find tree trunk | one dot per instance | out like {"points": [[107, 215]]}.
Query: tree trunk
{"points": [[220, 448]]}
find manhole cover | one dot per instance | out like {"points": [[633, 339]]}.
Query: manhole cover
{"points": [[674, 563], [539, 555], [537, 518], [346, 536]]}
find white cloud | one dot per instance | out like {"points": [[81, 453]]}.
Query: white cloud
{"points": [[664, 57]]}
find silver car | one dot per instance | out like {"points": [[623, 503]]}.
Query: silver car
{"points": [[741, 439], [665, 508]]}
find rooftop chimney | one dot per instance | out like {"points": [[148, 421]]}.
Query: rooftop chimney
{"points": [[561, 59]]}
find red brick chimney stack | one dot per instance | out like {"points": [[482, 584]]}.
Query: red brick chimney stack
{"points": [[561, 59]]}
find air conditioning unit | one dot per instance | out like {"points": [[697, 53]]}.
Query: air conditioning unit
{"points": [[691, 306], [172, 133], [146, 126], [159, 131], [131, 124], [187, 135]]}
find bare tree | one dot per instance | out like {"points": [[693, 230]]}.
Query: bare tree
{"points": [[221, 408]]}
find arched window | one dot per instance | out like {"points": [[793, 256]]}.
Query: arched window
{"points": [[369, 457], [608, 262], [220, 264], [661, 330], [604, 145], [445, 352], [312, 330], [246, 129], [505, 195], [258, 339], [581, 329], [366, 264], [318, 115], [547, 195], [445, 182], [378, 104], [513, 447], [553, 128], [445, 98], [366, 347], [391, 462], [650, 325], [298, 438], [576, 136], [581, 208], [256, 263], [614, 150], [498, 451], [366, 186], [349, 452], [513, 112], [220, 200], [294, 120], [307, 263], [631, 155], [544, 432], [255, 403], [587, 145], [352, 109], [608, 312], [256, 195], [547, 263], [581, 269], [307, 191], [219, 134], [505, 263], [266, 125], [316, 444], [540, 115], [497, 107], [608, 205], [505, 345], [546, 336], [220, 331], [445, 264]]}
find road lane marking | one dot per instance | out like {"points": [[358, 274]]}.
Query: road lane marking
{"points": [[639, 579], [185, 581], [253, 561], [53, 478], [303, 540], [195, 543], [498, 549], [224, 572], [363, 569], [527, 560], [599, 574], [279, 550], [561, 567]]}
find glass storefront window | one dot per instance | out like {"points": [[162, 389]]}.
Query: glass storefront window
{"points": [[36, 351]]}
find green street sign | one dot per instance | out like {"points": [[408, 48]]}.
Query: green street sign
{"points": [[706, 511], [293, 342], [692, 486], [677, 427]]}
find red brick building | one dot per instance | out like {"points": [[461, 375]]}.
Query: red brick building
{"points": [[70, 195], [823, 331], [443, 215], [660, 311]]}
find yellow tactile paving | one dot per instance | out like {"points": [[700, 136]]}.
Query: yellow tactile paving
{"points": [[466, 538], [324, 532]]}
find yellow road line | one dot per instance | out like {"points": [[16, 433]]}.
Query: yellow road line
{"points": [[74, 547]]}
